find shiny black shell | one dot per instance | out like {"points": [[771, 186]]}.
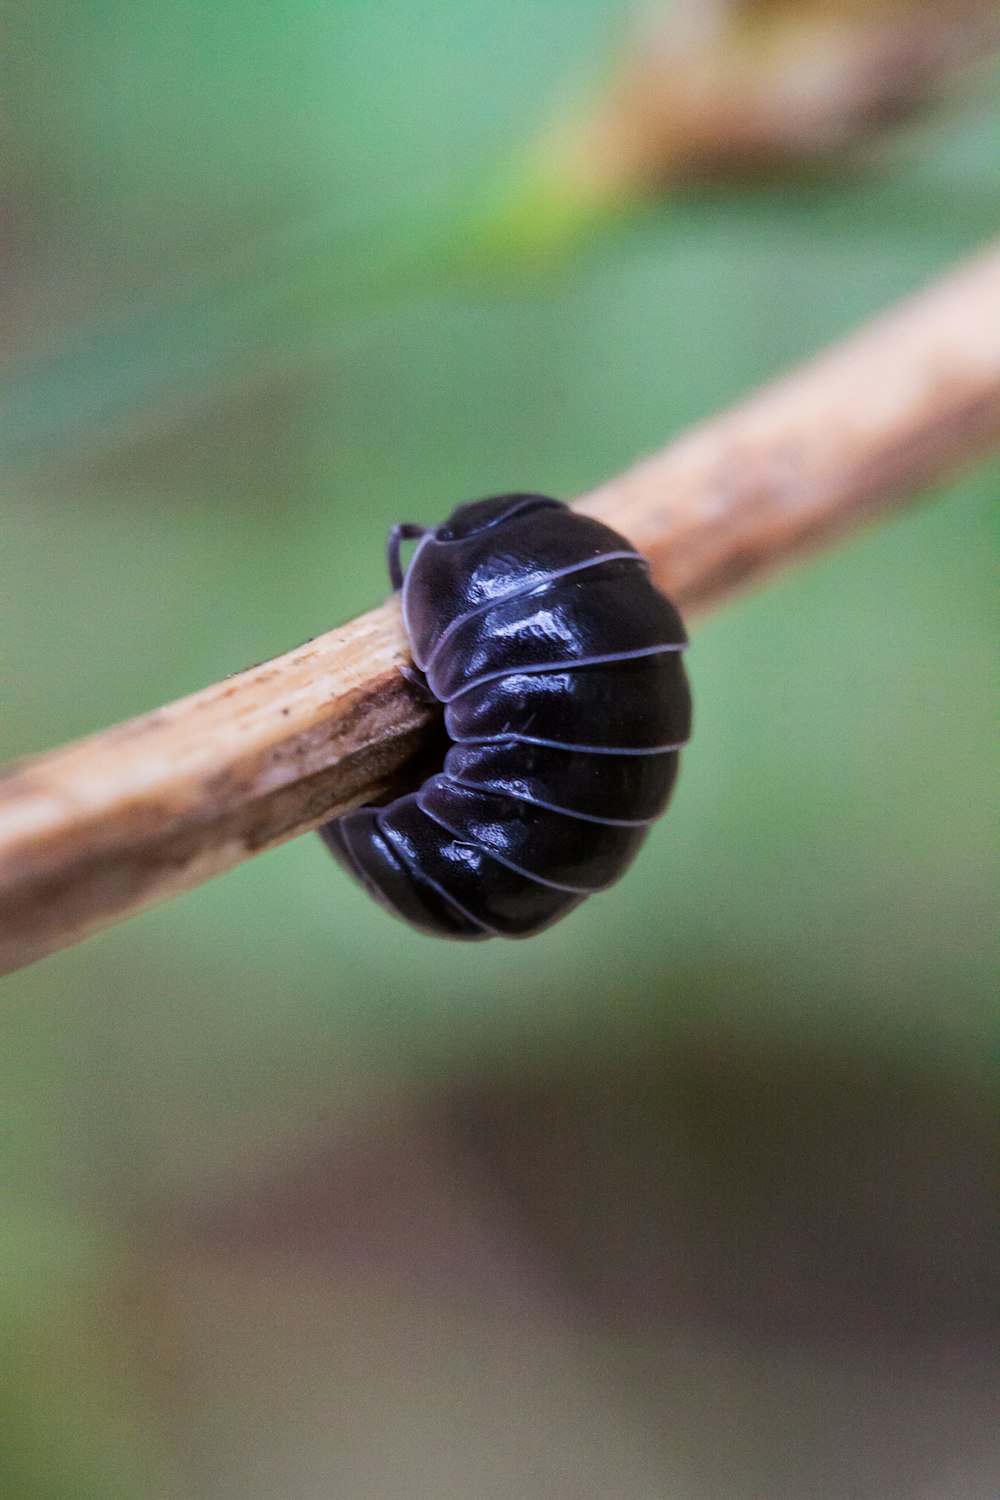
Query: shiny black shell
{"points": [[566, 704]]}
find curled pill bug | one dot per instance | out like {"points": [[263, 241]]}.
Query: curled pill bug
{"points": [[559, 666]]}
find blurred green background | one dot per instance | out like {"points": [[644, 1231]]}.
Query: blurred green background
{"points": [[694, 1184]]}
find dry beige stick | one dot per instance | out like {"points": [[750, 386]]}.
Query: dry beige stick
{"points": [[751, 88], [111, 824]]}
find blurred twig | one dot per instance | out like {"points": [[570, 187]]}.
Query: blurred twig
{"points": [[111, 824], [736, 89], [726, 92]]}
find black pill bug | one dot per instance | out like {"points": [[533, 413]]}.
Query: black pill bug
{"points": [[565, 703]]}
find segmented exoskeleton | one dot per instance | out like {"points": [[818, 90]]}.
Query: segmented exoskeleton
{"points": [[566, 705]]}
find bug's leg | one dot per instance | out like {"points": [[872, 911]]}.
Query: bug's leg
{"points": [[406, 531], [416, 679]]}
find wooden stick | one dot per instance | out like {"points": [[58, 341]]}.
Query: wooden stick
{"points": [[106, 826]]}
